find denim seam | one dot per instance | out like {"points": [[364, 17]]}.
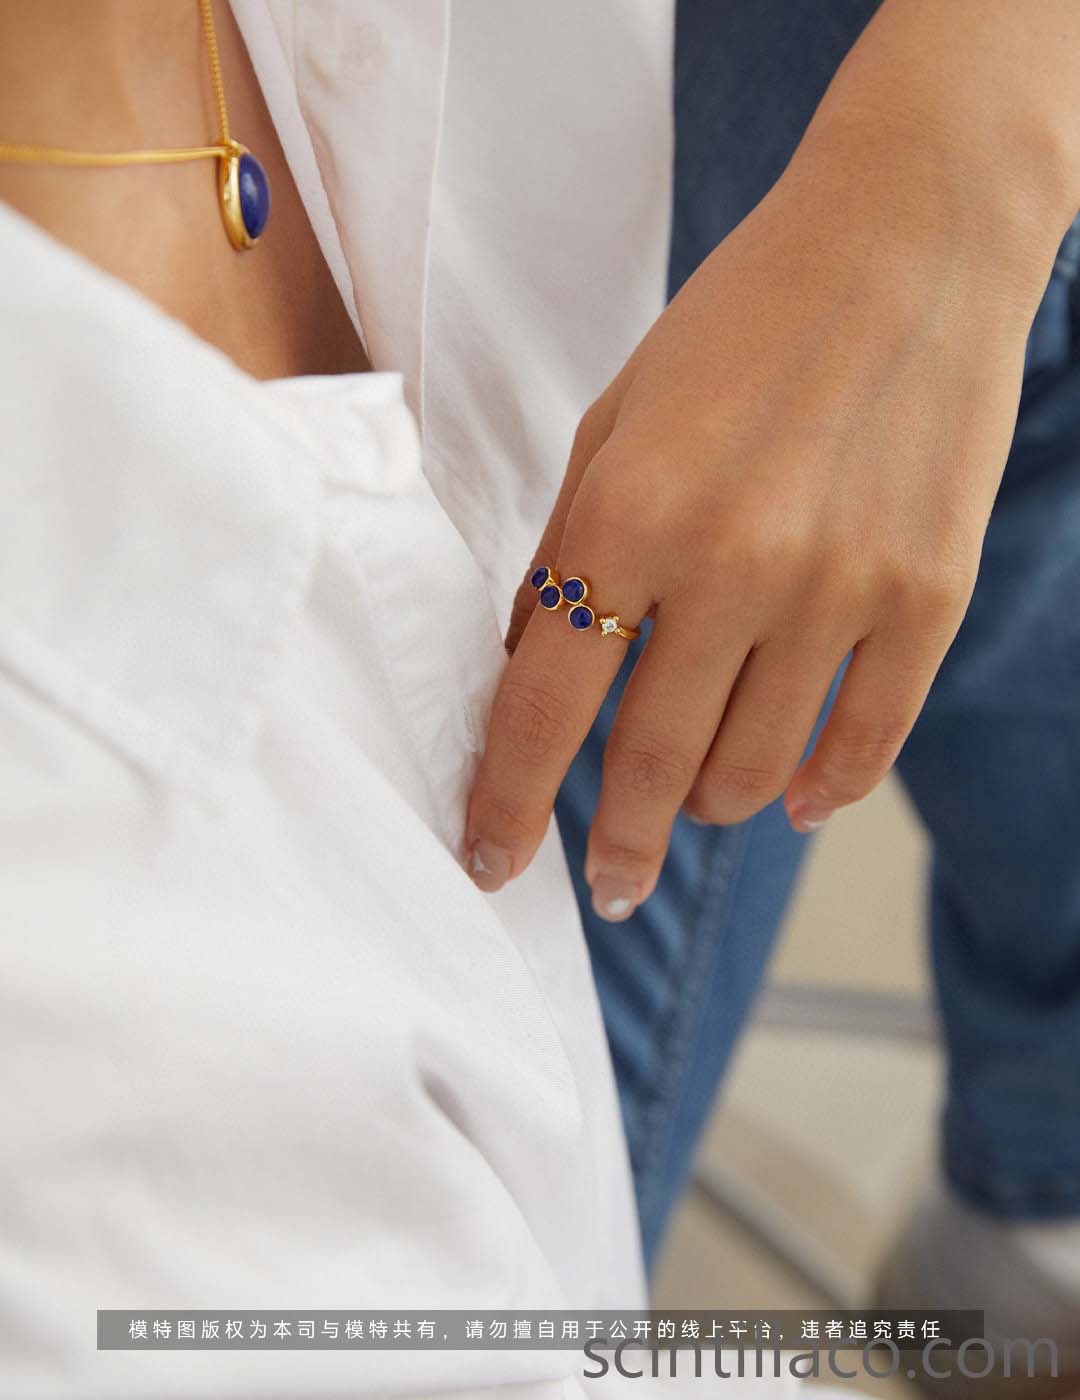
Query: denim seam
{"points": [[689, 986]]}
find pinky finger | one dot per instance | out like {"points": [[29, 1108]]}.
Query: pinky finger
{"points": [[876, 707]]}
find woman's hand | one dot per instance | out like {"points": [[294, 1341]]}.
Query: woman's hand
{"points": [[798, 461]]}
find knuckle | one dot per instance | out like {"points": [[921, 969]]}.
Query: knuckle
{"points": [[586, 440], [858, 756], [532, 717], [774, 547], [731, 792], [598, 516], [928, 589], [643, 766], [945, 593], [503, 821], [620, 470], [832, 595], [614, 855], [591, 429]]}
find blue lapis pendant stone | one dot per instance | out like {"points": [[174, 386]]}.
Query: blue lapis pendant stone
{"points": [[581, 617], [244, 192]]}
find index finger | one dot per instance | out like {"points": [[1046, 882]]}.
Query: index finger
{"points": [[548, 697]]}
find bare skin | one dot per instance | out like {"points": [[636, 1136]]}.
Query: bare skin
{"points": [[130, 74], [800, 458]]}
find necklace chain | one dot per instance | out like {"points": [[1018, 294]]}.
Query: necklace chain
{"points": [[215, 71], [56, 155]]}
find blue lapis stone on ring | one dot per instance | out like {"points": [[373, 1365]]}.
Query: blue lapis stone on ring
{"points": [[245, 196], [573, 592]]}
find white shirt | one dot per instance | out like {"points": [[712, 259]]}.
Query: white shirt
{"points": [[262, 1041]]}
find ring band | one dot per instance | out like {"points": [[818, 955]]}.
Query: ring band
{"points": [[573, 593]]}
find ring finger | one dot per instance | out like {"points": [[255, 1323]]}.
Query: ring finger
{"points": [[766, 726]]}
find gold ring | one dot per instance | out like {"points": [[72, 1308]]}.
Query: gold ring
{"points": [[573, 593]]}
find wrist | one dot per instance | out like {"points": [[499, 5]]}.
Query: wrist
{"points": [[898, 183], [963, 122]]}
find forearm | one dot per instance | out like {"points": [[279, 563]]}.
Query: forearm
{"points": [[963, 118]]}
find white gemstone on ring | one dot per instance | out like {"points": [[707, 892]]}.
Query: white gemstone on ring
{"points": [[608, 624]]}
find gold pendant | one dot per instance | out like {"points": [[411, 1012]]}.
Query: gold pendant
{"points": [[244, 195]]}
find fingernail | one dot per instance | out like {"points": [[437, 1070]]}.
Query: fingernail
{"points": [[808, 816], [489, 865], [612, 898]]}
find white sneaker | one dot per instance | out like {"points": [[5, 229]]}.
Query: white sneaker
{"points": [[1024, 1277]]}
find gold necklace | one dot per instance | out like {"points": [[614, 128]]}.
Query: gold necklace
{"points": [[243, 189]]}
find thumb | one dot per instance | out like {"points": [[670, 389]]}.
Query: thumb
{"points": [[592, 433]]}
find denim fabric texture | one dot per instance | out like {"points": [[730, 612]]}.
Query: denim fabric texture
{"points": [[992, 766]]}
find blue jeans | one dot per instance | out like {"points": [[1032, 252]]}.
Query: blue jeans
{"points": [[993, 764]]}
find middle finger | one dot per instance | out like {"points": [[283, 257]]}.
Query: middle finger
{"points": [[666, 721]]}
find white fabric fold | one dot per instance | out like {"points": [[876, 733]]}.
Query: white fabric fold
{"points": [[262, 1042]]}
